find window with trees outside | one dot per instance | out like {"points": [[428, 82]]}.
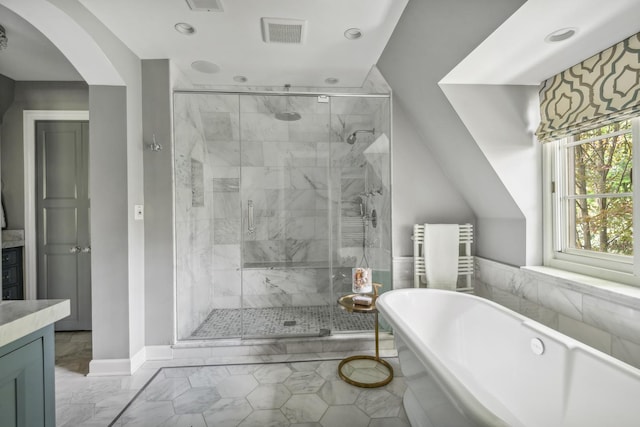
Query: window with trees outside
{"points": [[592, 196]]}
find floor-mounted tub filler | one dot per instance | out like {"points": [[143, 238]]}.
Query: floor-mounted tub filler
{"points": [[471, 362]]}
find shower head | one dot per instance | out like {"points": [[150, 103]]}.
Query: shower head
{"points": [[351, 139], [288, 115]]}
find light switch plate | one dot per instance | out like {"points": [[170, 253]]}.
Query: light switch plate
{"points": [[138, 212]]}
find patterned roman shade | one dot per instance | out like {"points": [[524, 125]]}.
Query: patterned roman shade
{"points": [[599, 90]]}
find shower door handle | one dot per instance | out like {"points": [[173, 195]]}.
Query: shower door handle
{"points": [[251, 228]]}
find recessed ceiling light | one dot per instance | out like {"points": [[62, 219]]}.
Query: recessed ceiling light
{"points": [[353, 33], [240, 79], [560, 35], [205, 67], [184, 28], [331, 80], [205, 5]]}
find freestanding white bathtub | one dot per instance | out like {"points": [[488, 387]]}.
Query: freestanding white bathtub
{"points": [[470, 362]]}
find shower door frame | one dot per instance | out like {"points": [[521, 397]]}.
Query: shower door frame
{"points": [[329, 95]]}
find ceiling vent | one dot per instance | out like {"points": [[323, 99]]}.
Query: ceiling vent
{"points": [[205, 5], [281, 30]]}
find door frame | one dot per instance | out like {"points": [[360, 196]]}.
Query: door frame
{"points": [[29, 118]]}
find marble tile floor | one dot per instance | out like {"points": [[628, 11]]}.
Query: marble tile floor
{"points": [[276, 390], [280, 321]]}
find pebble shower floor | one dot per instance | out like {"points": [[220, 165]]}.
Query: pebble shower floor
{"points": [[280, 321]]}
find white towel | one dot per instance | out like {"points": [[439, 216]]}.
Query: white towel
{"points": [[441, 250]]}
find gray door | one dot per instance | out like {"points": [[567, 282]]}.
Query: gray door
{"points": [[62, 202]]}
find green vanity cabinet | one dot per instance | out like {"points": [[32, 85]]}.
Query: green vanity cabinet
{"points": [[12, 286], [27, 385]]}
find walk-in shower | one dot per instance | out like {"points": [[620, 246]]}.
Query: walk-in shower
{"points": [[273, 210]]}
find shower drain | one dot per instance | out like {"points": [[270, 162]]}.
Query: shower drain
{"points": [[289, 323]]}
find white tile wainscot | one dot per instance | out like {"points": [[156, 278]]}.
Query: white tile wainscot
{"points": [[402, 272], [602, 314]]}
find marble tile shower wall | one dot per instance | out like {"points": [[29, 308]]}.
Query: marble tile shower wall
{"points": [[611, 325], [286, 169], [361, 174], [194, 222], [285, 173]]}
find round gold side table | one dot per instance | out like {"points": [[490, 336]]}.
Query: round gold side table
{"points": [[362, 370]]}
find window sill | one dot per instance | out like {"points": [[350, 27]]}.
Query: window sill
{"points": [[604, 289]]}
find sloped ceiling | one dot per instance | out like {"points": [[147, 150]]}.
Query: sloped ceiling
{"points": [[430, 39], [516, 53]]}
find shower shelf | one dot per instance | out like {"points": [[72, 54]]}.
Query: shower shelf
{"points": [[286, 264]]}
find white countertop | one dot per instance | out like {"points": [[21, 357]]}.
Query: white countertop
{"points": [[12, 243], [20, 318], [12, 238]]}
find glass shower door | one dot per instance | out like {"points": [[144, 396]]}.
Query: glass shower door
{"points": [[361, 208], [284, 180], [207, 215]]}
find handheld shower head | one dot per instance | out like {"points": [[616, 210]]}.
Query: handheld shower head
{"points": [[351, 139]]}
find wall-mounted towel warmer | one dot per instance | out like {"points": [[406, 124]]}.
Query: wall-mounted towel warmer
{"points": [[465, 259]]}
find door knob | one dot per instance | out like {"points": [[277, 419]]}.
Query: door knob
{"points": [[86, 250], [74, 249]]}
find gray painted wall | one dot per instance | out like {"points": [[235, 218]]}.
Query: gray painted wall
{"points": [[109, 240], [117, 340], [510, 230], [7, 90], [7, 87], [430, 39], [502, 119], [158, 194], [421, 192], [30, 96]]}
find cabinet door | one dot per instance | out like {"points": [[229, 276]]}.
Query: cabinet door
{"points": [[9, 257], [9, 293], [22, 393]]}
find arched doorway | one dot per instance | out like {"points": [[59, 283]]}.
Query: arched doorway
{"points": [[110, 71]]}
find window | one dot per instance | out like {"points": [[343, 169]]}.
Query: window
{"points": [[591, 193]]}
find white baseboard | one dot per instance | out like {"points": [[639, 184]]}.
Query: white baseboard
{"points": [[159, 352], [108, 367], [138, 359]]}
